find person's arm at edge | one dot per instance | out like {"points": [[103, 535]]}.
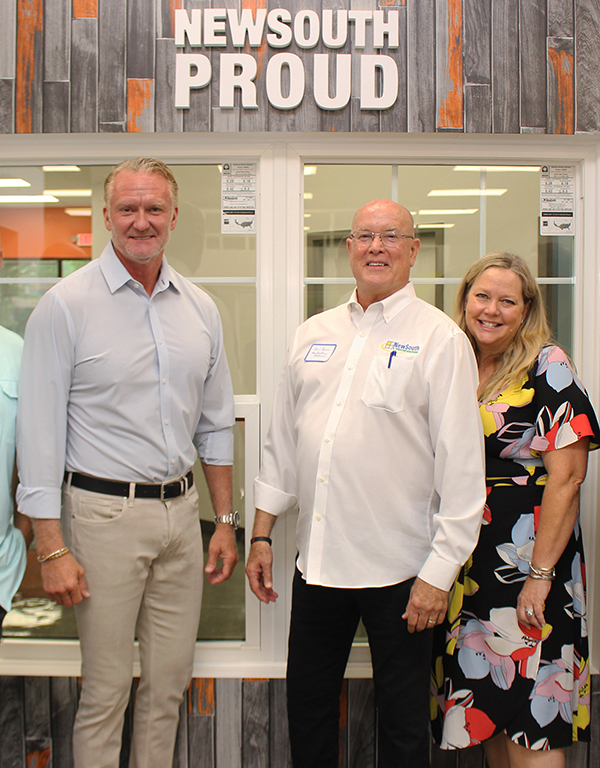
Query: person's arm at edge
{"points": [[428, 600], [259, 567], [566, 469], [219, 478]]}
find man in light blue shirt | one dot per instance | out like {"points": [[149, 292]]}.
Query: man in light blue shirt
{"points": [[12, 543], [124, 383]]}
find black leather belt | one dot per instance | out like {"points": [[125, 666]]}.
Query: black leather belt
{"points": [[170, 490]]}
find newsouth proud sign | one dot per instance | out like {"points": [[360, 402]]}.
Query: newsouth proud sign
{"points": [[285, 77]]}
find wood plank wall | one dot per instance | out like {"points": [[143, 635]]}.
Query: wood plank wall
{"points": [[477, 66], [225, 723]]}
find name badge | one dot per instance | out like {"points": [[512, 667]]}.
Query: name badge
{"points": [[320, 353]]}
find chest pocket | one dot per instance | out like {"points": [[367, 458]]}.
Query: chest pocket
{"points": [[386, 387], [9, 388]]}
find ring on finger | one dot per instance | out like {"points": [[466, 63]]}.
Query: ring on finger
{"points": [[431, 621], [529, 611]]}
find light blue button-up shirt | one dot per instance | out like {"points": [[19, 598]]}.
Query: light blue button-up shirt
{"points": [[12, 544], [120, 385]]}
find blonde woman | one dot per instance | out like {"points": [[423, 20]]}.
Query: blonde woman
{"points": [[512, 671]]}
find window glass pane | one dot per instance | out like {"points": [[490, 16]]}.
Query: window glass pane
{"points": [[460, 212], [44, 241]]}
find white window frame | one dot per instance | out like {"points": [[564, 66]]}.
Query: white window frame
{"points": [[280, 258]]}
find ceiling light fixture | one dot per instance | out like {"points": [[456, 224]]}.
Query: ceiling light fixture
{"points": [[466, 192], [69, 192], [28, 199], [499, 168], [446, 211], [60, 168], [14, 183]]}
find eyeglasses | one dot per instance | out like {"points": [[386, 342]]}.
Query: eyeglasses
{"points": [[389, 238]]}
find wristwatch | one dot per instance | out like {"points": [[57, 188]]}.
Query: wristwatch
{"points": [[232, 518]]}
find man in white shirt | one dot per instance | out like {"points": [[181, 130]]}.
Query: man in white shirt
{"points": [[375, 434], [124, 383]]}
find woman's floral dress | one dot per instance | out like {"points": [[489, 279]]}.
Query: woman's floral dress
{"points": [[490, 673]]}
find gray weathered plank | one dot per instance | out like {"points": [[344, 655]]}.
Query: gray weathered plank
{"points": [[180, 756], [478, 109], [306, 116], [576, 756], [116, 127], [335, 119], [561, 85], [421, 65], [279, 740], [167, 118], [141, 25], [560, 18], [56, 107], [84, 75], [12, 723], [228, 696], [7, 105], [396, 118], [30, 65], [64, 695], [443, 758], [57, 39], [112, 86], [505, 66], [477, 60], [8, 39], [37, 707], [255, 723], [364, 120], [198, 116], [587, 34], [533, 63]]}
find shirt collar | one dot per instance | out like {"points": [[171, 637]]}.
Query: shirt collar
{"points": [[116, 275], [390, 306]]}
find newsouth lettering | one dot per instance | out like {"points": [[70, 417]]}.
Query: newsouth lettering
{"points": [[285, 77]]}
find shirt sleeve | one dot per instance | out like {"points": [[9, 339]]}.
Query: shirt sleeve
{"points": [[564, 412], [459, 466], [275, 488], [214, 434], [46, 372]]}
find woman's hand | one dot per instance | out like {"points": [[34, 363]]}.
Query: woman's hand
{"points": [[533, 598]]}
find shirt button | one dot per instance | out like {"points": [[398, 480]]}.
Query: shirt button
{"points": [[327, 439], [164, 381], [362, 334], [160, 341], [172, 461], [350, 367], [318, 518], [339, 402], [321, 479], [166, 421]]}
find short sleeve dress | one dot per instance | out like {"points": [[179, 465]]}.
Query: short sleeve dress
{"points": [[491, 674]]}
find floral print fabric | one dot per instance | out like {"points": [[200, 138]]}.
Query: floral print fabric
{"points": [[490, 673]]}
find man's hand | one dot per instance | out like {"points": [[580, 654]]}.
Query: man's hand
{"points": [[64, 581], [222, 545], [259, 571], [426, 607]]}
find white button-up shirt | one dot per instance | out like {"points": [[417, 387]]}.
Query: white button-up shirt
{"points": [[120, 385], [376, 435]]}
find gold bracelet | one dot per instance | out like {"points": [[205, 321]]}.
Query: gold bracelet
{"points": [[544, 574], [54, 555]]}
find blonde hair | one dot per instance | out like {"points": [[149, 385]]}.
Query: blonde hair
{"points": [[142, 165], [532, 335]]}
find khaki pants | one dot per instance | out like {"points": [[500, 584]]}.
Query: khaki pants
{"points": [[143, 562]]}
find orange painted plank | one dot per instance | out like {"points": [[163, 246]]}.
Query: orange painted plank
{"points": [[261, 52], [562, 64], [139, 99], [204, 689], [85, 9], [39, 759], [173, 6], [30, 15], [451, 109]]}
